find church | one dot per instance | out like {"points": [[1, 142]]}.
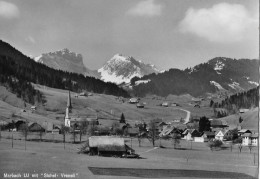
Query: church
{"points": [[71, 120]]}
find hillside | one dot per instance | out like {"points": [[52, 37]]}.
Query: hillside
{"points": [[221, 75], [250, 120], [247, 99], [17, 68]]}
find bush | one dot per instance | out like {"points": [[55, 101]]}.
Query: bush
{"points": [[213, 144]]}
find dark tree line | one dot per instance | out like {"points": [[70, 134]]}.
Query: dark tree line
{"points": [[17, 70], [233, 103]]}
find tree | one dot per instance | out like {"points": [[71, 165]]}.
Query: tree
{"points": [[152, 134], [116, 130], [74, 132], [176, 140], [204, 124], [64, 131], [211, 103], [250, 146], [83, 129], [240, 146], [214, 144], [24, 131], [41, 133], [122, 119], [240, 119]]}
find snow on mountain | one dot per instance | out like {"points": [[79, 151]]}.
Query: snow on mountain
{"points": [[219, 66], [253, 82], [38, 58], [141, 82], [66, 60], [121, 69], [217, 85], [235, 86]]}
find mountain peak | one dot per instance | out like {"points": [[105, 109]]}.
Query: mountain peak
{"points": [[122, 68], [66, 60]]}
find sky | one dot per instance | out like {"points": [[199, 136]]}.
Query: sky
{"points": [[166, 33]]}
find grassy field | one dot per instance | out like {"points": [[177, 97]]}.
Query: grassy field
{"points": [[194, 160]]}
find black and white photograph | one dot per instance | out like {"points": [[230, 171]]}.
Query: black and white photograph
{"points": [[129, 89]]}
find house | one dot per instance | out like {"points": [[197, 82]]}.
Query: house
{"points": [[189, 134], [217, 125], [254, 139], [243, 110], [83, 94], [33, 108], [140, 105], [175, 104], [108, 146], [161, 125], [133, 132], [231, 134], [165, 104], [219, 135], [167, 130], [208, 135], [35, 127], [199, 139], [246, 139], [243, 131], [196, 106], [133, 100]]}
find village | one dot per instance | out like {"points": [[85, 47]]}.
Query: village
{"points": [[179, 135], [199, 130]]}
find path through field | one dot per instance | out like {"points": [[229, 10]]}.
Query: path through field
{"points": [[187, 118]]}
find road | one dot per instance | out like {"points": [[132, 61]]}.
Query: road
{"points": [[187, 118]]}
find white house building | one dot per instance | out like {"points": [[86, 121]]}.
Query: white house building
{"points": [[220, 135], [249, 139]]}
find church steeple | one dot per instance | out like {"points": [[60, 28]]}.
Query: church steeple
{"points": [[68, 110], [69, 102]]}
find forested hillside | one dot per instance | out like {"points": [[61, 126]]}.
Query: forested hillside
{"points": [[248, 99], [218, 74], [18, 70]]}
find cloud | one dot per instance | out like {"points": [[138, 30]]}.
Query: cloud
{"points": [[30, 39], [147, 8], [8, 10], [222, 23]]}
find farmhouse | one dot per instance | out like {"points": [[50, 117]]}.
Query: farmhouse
{"points": [[33, 108], [243, 131], [108, 146], [220, 135], [133, 132], [35, 127], [140, 105], [249, 139], [133, 100], [165, 104], [208, 135], [243, 110], [189, 134]]}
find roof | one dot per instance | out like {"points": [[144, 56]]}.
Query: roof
{"points": [[255, 135], [244, 131], [246, 135], [243, 110], [208, 133], [216, 122], [167, 130], [181, 126], [162, 124], [118, 148], [133, 130]]}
